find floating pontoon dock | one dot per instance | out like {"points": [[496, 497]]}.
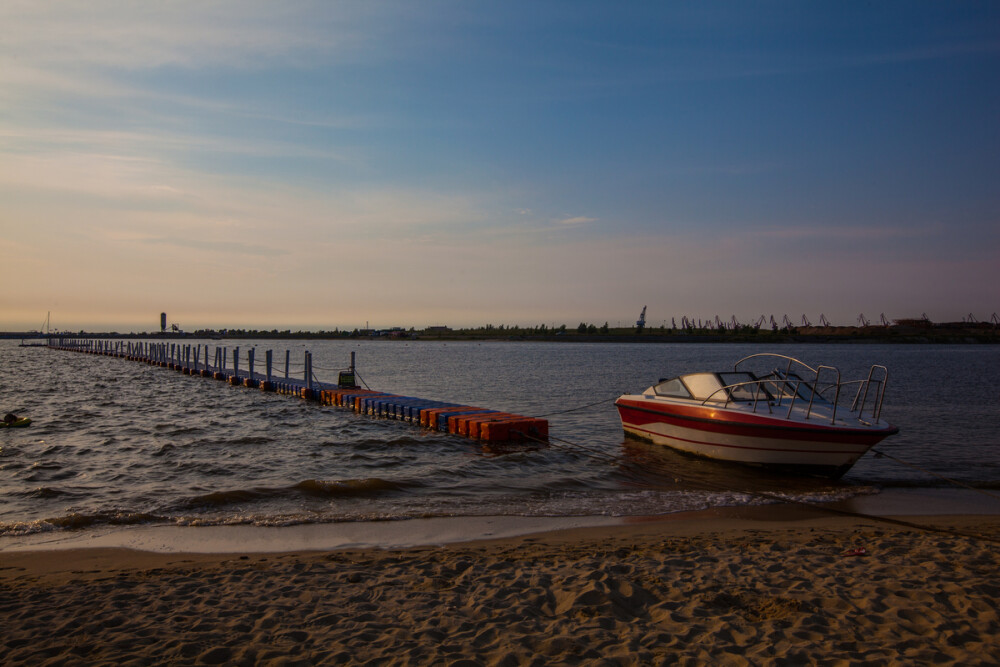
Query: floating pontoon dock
{"points": [[466, 420]]}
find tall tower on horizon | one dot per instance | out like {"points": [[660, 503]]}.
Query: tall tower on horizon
{"points": [[163, 323]]}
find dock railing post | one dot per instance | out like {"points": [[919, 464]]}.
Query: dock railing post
{"points": [[250, 354], [288, 354], [267, 367], [308, 364], [236, 362]]}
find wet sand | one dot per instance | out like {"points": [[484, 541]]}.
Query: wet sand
{"points": [[772, 585]]}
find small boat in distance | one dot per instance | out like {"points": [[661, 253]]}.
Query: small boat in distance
{"points": [[788, 418]]}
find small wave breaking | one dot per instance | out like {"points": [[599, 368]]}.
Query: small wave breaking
{"points": [[371, 486]]}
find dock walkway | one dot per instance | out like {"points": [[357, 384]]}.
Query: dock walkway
{"points": [[470, 421]]}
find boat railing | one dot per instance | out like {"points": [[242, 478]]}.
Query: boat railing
{"points": [[869, 395], [878, 376], [790, 360]]}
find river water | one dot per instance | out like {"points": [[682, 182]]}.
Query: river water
{"points": [[115, 442]]}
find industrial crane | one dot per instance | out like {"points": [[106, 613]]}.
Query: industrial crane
{"points": [[640, 324]]}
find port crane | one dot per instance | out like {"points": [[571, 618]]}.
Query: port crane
{"points": [[640, 324]]}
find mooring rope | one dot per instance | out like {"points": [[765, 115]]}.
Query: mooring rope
{"points": [[358, 375], [880, 454], [582, 407]]}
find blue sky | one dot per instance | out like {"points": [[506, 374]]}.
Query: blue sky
{"points": [[332, 164]]}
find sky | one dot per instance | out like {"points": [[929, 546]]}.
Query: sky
{"points": [[337, 165]]}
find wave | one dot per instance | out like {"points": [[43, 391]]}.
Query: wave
{"points": [[350, 487], [222, 498], [43, 492], [372, 486], [78, 521]]}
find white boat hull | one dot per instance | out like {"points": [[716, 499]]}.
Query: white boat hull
{"points": [[749, 439]]}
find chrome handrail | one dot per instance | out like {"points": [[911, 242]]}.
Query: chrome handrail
{"points": [[777, 356], [879, 392], [779, 378]]}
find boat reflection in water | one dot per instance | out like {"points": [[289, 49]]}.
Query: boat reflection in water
{"points": [[789, 419], [694, 482]]}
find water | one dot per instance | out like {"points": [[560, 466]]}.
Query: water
{"points": [[119, 443]]}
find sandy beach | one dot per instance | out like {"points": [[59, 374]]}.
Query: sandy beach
{"points": [[730, 588]]}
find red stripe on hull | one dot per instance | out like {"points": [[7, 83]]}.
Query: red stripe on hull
{"points": [[714, 420]]}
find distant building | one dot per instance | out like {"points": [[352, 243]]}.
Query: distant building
{"points": [[922, 323], [437, 330]]}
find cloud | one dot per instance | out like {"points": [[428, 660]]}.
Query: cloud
{"points": [[187, 33], [579, 220], [224, 247]]}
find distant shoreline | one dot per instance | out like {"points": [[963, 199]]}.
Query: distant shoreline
{"points": [[968, 334]]}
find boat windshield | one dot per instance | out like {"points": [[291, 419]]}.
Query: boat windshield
{"points": [[724, 387], [743, 386], [787, 385], [704, 385], [673, 388]]}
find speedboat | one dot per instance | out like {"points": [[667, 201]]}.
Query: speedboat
{"points": [[792, 417]]}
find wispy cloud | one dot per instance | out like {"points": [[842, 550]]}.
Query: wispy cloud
{"points": [[129, 144], [187, 33], [226, 247], [577, 220]]}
